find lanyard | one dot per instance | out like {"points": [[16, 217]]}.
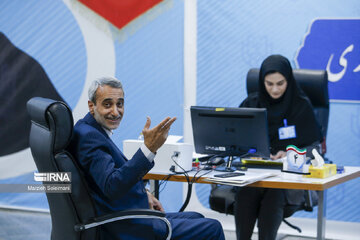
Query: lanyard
{"points": [[285, 122]]}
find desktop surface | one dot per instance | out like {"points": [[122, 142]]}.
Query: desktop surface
{"points": [[278, 181]]}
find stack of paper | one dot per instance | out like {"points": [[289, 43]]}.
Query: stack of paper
{"points": [[248, 178]]}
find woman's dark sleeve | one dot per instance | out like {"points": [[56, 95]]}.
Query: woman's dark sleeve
{"points": [[250, 102], [308, 128], [244, 103]]}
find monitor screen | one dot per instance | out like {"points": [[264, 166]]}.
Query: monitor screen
{"points": [[230, 131]]}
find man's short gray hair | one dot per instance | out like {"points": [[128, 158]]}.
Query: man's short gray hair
{"points": [[108, 81]]}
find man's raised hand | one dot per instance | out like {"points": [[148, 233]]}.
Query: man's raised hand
{"points": [[154, 138]]}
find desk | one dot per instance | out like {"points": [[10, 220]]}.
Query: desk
{"points": [[321, 185]]}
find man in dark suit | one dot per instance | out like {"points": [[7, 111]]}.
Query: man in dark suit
{"points": [[116, 182]]}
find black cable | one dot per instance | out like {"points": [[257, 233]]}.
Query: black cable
{"points": [[164, 180], [176, 154], [195, 179], [190, 183], [188, 195], [292, 226]]}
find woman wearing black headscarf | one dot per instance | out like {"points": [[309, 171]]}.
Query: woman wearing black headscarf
{"points": [[287, 106]]}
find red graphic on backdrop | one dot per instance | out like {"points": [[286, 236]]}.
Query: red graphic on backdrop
{"points": [[120, 12]]}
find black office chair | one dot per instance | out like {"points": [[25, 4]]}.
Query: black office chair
{"points": [[314, 84], [73, 214]]}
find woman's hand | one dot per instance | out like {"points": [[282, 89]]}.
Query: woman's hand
{"points": [[278, 155]]}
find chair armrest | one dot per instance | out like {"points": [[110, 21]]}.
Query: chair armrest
{"points": [[122, 215], [132, 212]]}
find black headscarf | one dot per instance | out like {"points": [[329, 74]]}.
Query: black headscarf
{"points": [[293, 106]]}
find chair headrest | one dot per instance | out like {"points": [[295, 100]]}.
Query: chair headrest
{"points": [[53, 115], [314, 83]]}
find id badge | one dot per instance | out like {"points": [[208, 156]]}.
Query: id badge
{"points": [[287, 132]]}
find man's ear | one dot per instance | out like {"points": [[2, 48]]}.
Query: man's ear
{"points": [[91, 106]]}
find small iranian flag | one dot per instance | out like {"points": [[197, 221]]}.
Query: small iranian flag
{"points": [[295, 149]]}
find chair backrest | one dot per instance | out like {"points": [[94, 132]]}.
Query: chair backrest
{"points": [[51, 130], [314, 83]]}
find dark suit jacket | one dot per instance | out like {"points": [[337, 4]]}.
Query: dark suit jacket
{"points": [[115, 182]]}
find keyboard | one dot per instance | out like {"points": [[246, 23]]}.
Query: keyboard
{"points": [[256, 163]]}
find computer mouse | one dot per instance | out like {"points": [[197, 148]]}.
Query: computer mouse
{"points": [[216, 161]]}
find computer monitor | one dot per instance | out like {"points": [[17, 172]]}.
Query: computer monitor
{"points": [[230, 131]]}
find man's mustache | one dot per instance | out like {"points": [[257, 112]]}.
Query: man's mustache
{"points": [[113, 117]]}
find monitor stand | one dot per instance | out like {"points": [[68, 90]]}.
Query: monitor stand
{"points": [[228, 167]]}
